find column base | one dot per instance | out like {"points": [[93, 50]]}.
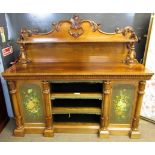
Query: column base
{"points": [[48, 133], [103, 133], [19, 132], [135, 134]]}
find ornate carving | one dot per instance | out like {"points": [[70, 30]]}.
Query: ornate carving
{"points": [[12, 87], [75, 30], [23, 55], [131, 56], [125, 77], [127, 32], [94, 26], [26, 33]]}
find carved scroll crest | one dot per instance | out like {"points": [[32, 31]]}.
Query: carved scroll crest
{"points": [[75, 29], [24, 33], [127, 32]]}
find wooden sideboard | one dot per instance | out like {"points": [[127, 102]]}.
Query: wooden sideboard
{"points": [[77, 79]]}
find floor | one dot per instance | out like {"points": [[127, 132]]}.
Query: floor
{"points": [[147, 130]]}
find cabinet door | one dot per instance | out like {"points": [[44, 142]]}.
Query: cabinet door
{"points": [[122, 102], [31, 101]]}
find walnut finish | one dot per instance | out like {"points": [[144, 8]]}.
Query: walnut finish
{"points": [[104, 132], [135, 123], [48, 132], [19, 131], [77, 50]]}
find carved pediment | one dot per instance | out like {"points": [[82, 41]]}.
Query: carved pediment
{"points": [[81, 30]]}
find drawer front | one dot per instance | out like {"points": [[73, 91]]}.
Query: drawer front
{"points": [[122, 102]]}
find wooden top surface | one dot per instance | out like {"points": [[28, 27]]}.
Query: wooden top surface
{"points": [[60, 69]]}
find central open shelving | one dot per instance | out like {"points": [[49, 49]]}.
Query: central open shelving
{"points": [[76, 104]]}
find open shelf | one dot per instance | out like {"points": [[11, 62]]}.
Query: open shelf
{"points": [[83, 118], [76, 87], [76, 110], [76, 95], [77, 103]]}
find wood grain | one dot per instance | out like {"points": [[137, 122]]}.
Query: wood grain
{"points": [[76, 96], [76, 110]]}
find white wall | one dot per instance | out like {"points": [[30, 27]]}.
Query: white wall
{"points": [[148, 106]]}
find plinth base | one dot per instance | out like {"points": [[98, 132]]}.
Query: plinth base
{"points": [[103, 133], [19, 132], [48, 133], [135, 134]]}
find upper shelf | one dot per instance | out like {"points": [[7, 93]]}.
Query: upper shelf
{"points": [[77, 30]]}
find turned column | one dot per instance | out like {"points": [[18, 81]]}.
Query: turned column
{"points": [[48, 132], [19, 131], [104, 133], [131, 56], [135, 122], [23, 57]]}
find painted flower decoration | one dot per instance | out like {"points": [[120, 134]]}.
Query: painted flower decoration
{"points": [[121, 104]]}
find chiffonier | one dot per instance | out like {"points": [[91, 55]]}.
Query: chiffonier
{"points": [[77, 79]]}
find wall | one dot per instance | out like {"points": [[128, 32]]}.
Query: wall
{"points": [[5, 63]]}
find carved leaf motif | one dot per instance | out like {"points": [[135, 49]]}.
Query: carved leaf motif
{"points": [[27, 33]]}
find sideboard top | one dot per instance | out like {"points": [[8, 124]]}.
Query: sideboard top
{"points": [[77, 30]]}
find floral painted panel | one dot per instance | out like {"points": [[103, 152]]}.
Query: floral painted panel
{"points": [[121, 103], [32, 103]]}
